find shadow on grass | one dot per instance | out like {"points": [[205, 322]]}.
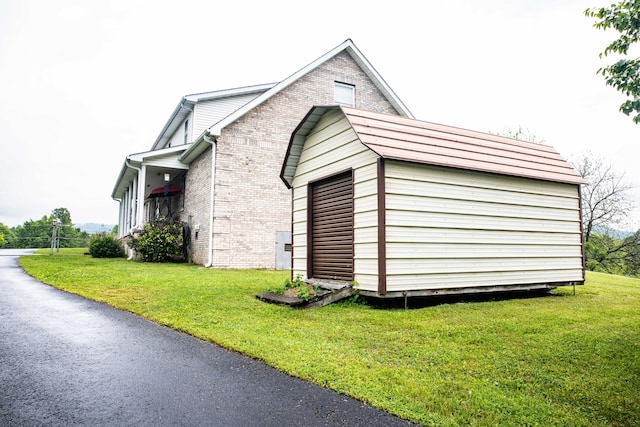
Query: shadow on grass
{"points": [[417, 302]]}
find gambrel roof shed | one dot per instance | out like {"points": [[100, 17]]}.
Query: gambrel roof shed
{"points": [[401, 205]]}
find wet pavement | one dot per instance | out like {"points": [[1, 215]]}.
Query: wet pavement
{"points": [[66, 360]]}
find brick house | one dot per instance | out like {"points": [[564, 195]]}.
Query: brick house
{"points": [[216, 163]]}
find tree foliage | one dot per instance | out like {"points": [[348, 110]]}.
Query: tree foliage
{"points": [[606, 201], [606, 204], [623, 75], [6, 236], [37, 233], [608, 254], [523, 134]]}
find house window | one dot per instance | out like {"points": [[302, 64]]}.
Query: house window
{"points": [[345, 94], [186, 131]]}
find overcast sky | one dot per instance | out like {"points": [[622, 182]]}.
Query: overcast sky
{"points": [[84, 83]]}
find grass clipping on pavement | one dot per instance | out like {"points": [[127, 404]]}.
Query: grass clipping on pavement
{"points": [[558, 360]]}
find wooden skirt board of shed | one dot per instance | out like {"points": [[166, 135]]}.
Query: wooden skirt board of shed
{"points": [[327, 292]]}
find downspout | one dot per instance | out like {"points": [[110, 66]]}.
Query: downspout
{"points": [[211, 195]]}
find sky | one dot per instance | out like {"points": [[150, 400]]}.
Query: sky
{"points": [[84, 83]]}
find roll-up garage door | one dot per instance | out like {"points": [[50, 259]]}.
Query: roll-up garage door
{"points": [[331, 231]]}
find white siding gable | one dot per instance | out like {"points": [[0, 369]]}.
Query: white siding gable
{"points": [[208, 113], [178, 136], [330, 148]]}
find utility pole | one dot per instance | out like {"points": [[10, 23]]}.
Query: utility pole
{"points": [[55, 236]]}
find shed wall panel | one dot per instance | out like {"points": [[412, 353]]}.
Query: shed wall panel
{"points": [[462, 280], [452, 228]]}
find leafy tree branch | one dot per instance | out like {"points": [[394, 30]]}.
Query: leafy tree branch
{"points": [[623, 75]]}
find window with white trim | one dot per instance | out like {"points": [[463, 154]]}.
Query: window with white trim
{"points": [[344, 94], [186, 131]]}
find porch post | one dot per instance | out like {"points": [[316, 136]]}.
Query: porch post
{"points": [[121, 226], [142, 175], [134, 196], [130, 211]]}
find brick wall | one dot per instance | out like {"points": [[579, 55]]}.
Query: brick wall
{"points": [[251, 202], [196, 206]]}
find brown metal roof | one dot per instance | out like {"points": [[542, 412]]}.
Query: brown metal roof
{"points": [[402, 138]]}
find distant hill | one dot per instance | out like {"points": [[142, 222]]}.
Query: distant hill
{"points": [[93, 228], [616, 234]]}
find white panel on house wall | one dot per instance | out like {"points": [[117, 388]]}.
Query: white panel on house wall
{"points": [[178, 136], [208, 113], [451, 228]]}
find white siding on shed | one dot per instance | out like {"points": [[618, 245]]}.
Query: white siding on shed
{"points": [[331, 148], [450, 228]]}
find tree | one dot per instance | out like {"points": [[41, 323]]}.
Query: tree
{"points": [[521, 134], [624, 75], [37, 234], [606, 202], [63, 215], [6, 236], [614, 255]]}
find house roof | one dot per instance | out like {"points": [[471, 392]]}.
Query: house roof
{"points": [[190, 152], [186, 104], [406, 139], [201, 144]]}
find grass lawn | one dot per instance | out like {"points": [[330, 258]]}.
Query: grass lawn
{"points": [[549, 361]]}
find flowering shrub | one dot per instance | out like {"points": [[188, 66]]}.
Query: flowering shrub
{"points": [[160, 241]]}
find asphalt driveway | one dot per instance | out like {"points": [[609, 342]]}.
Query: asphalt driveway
{"points": [[66, 360]]}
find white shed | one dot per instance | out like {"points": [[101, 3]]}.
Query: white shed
{"points": [[406, 207]]}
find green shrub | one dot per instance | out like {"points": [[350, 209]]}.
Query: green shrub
{"points": [[105, 246], [160, 241]]}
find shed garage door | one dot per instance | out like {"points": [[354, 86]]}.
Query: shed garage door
{"points": [[331, 228]]}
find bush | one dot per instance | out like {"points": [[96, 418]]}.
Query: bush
{"points": [[160, 241], [105, 246]]}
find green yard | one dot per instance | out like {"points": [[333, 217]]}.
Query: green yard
{"points": [[556, 360]]}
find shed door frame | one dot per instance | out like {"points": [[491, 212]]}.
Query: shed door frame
{"points": [[341, 255]]}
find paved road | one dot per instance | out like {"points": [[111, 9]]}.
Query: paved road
{"points": [[66, 361]]}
